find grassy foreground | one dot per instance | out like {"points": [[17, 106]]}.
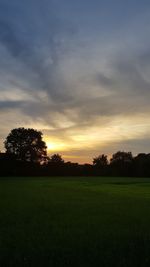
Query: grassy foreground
{"points": [[78, 222]]}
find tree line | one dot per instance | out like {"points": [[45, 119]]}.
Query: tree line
{"points": [[26, 155]]}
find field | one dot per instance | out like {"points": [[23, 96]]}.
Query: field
{"points": [[74, 222]]}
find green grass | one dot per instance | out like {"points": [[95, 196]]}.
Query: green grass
{"points": [[75, 222]]}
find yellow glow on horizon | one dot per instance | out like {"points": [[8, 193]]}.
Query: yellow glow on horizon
{"points": [[80, 144], [55, 146]]}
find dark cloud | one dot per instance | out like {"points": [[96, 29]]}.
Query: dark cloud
{"points": [[37, 40], [103, 80], [65, 68], [11, 104], [10, 40]]}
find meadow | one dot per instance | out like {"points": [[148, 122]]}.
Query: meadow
{"points": [[70, 222]]}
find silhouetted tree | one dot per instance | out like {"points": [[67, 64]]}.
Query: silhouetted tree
{"points": [[56, 165], [26, 145], [121, 163], [56, 159], [100, 164], [121, 156], [100, 161], [142, 164]]}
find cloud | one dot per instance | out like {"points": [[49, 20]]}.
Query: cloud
{"points": [[69, 77]]}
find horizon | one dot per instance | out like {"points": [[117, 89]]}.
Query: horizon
{"points": [[16, 142], [79, 72]]}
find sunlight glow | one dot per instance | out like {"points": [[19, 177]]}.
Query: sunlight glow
{"points": [[82, 143], [55, 146]]}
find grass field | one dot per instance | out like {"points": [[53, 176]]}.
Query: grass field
{"points": [[78, 222]]}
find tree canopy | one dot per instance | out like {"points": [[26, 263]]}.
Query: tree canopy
{"points": [[121, 156], [56, 159], [25, 148], [100, 161], [26, 145]]}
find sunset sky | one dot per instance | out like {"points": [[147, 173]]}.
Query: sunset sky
{"points": [[79, 71]]}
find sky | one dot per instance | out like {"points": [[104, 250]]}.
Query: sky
{"points": [[79, 71]]}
